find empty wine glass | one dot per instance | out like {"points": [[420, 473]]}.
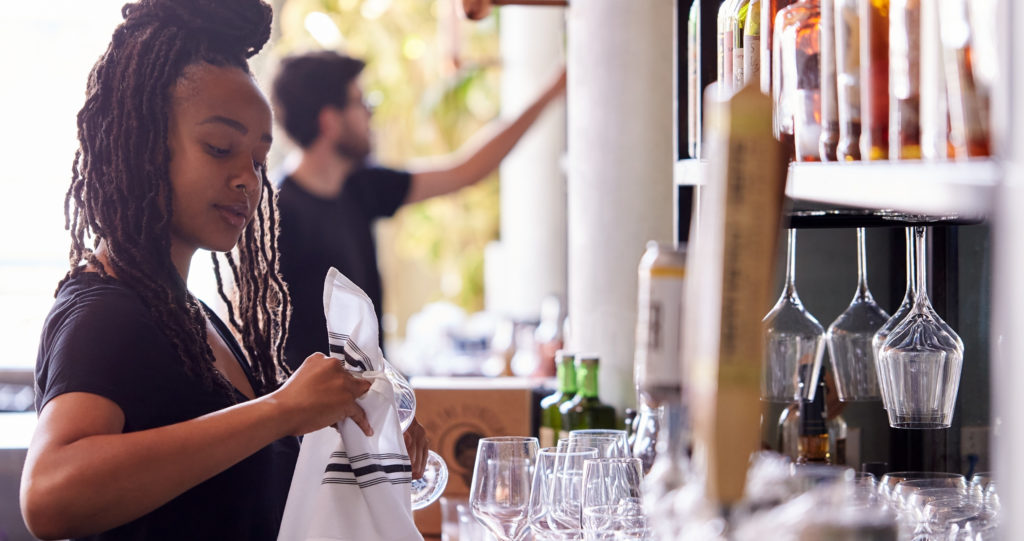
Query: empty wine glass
{"points": [[620, 437], [921, 360], [499, 494], [556, 494], [427, 489], [901, 313], [850, 338], [607, 446], [612, 500], [792, 338]]}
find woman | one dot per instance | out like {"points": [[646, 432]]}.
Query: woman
{"points": [[153, 422]]}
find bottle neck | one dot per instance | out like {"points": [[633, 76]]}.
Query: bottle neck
{"points": [[812, 415], [566, 374], [586, 380]]}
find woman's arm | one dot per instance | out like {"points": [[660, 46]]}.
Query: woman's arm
{"points": [[83, 475]]}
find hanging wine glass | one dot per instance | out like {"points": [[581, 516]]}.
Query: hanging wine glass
{"points": [[792, 338], [901, 313], [920, 361], [850, 338], [427, 489]]}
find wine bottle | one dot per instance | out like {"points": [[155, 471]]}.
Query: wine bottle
{"points": [[586, 410], [813, 445], [550, 415]]}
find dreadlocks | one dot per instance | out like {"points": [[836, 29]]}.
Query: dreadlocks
{"points": [[120, 189]]}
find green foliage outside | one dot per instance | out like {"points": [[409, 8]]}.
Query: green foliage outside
{"points": [[434, 79]]}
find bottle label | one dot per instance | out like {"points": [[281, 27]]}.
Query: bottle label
{"points": [[659, 324], [547, 437], [751, 58]]}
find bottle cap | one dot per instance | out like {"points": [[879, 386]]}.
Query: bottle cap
{"points": [[562, 356], [587, 358]]}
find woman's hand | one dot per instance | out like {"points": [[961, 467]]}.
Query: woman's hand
{"points": [[416, 443], [321, 393]]}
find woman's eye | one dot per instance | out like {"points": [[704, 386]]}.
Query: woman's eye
{"points": [[217, 151]]}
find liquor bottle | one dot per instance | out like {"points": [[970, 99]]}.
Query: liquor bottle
{"points": [[813, 444], [738, 21], [752, 43], [874, 79], [968, 95], [829, 104], [847, 34], [586, 410], [550, 415], [660, 279], [548, 335], [905, 79], [797, 37], [693, 79], [769, 9], [726, 12]]}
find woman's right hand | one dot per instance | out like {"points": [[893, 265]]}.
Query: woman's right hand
{"points": [[321, 393]]}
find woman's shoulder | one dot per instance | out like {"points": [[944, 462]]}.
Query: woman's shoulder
{"points": [[95, 301]]}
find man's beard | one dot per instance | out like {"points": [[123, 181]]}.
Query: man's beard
{"points": [[352, 151]]}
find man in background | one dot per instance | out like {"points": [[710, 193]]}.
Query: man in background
{"points": [[329, 202]]}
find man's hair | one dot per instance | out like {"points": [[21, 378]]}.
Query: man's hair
{"points": [[121, 190], [307, 83]]}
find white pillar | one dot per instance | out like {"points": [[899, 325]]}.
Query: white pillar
{"points": [[529, 261], [621, 157]]}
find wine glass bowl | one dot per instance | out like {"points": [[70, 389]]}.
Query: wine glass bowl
{"points": [[499, 495], [850, 338], [793, 337], [428, 488]]}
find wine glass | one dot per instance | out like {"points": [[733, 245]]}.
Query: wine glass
{"points": [[499, 494], [921, 360], [556, 494], [427, 489], [620, 437], [792, 338], [901, 313], [612, 500], [850, 338]]}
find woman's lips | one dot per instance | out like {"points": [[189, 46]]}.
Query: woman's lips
{"points": [[236, 215]]}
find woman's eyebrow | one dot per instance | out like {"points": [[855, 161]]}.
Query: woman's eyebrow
{"points": [[234, 124]]}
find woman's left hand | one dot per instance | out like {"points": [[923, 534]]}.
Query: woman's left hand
{"points": [[416, 443]]}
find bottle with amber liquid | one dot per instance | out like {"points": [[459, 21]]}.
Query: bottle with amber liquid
{"points": [[874, 78], [905, 79], [829, 104], [550, 414], [813, 445], [768, 10], [797, 37], [968, 94], [586, 410], [847, 35]]}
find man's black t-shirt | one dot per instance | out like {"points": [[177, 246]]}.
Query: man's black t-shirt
{"points": [[317, 234], [99, 338]]}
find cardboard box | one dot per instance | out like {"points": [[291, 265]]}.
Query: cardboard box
{"points": [[457, 412]]}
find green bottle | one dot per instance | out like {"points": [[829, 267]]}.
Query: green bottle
{"points": [[586, 410], [550, 415]]}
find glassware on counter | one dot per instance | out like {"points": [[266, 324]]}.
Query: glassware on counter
{"points": [[827, 145], [499, 495], [874, 79], [557, 491], [797, 36], [847, 35], [793, 337], [921, 361], [612, 502], [850, 338]]}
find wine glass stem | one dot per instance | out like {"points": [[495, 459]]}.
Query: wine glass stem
{"points": [[862, 266], [791, 262], [911, 261], [921, 265]]}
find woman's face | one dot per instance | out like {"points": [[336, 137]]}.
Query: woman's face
{"points": [[219, 137]]}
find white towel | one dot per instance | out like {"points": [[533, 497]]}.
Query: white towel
{"points": [[353, 487]]}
